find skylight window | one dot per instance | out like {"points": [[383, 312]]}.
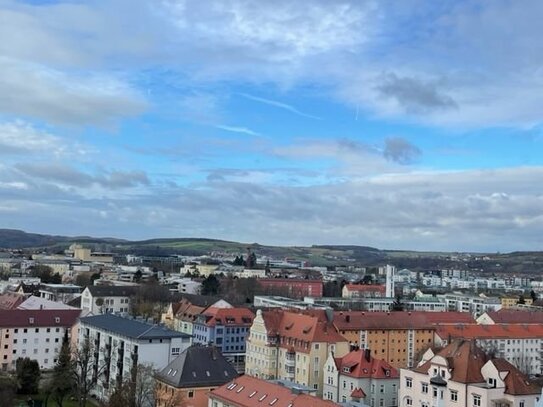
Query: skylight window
{"points": [[263, 397], [252, 394], [240, 389], [273, 402]]}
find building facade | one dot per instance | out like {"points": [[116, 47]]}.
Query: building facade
{"points": [[105, 299], [121, 344], [359, 378], [292, 346], [462, 374]]}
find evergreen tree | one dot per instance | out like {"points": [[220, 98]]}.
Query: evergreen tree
{"points": [[28, 375], [397, 305], [60, 385], [533, 294], [211, 285], [521, 300]]}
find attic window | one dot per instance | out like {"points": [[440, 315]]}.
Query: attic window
{"points": [[174, 373], [57, 320], [252, 394], [207, 373], [263, 397], [169, 371], [231, 386], [387, 372], [346, 369], [226, 373], [31, 320], [289, 326], [193, 373], [273, 402], [240, 389], [307, 329]]}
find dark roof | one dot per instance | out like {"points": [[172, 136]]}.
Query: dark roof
{"points": [[21, 318], [112, 290], [131, 328], [198, 366]]}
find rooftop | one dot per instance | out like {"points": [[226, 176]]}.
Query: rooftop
{"points": [[248, 391], [361, 364], [112, 291], [22, 318], [507, 316], [198, 366], [131, 328]]}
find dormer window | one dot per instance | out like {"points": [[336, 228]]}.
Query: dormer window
{"points": [[491, 382], [346, 370], [31, 321]]}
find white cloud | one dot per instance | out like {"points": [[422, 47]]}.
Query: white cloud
{"points": [[280, 105], [238, 129]]}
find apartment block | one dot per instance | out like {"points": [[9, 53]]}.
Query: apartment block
{"points": [[225, 327], [105, 299], [519, 344], [36, 334], [397, 337], [292, 346], [120, 344], [363, 291]]}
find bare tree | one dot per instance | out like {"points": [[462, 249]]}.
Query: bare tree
{"points": [[85, 370], [137, 391]]}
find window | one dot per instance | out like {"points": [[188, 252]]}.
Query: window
{"points": [[476, 400], [191, 394], [408, 382], [425, 387], [434, 392], [454, 395], [408, 401], [521, 403]]}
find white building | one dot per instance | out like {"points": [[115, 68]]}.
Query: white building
{"points": [[123, 344], [36, 334], [102, 299], [359, 378], [462, 375], [519, 344], [475, 305]]}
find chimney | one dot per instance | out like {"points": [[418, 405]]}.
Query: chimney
{"points": [[329, 314], [347, 318], [367, 355]]}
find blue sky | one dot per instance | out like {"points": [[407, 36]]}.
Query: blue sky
{"points": [[412, 124]]}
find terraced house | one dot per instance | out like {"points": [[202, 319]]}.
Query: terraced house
{"points": [[292, 346]]}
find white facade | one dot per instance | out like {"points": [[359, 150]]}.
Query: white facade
{"points": [[475, 305], [42, 344], [104, 304], [119, 353]]}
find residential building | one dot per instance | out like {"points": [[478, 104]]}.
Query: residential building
{"points": [[59, 292], [84, 254], [510, 316], [185, 316], [511, 301], [462, 374], [292, 346], [291, 287], [397, 337], [188, 379], [274, 301], [473, 304], [225, 327], [188, 286], [102, 299], [363, 290], [519, 344], [248, 391], [358, 377], [122, 344], [36, 334]]}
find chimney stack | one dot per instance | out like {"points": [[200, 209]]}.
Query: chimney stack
{"points": [[367, 355]]}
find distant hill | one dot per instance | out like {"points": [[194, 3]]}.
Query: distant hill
{"points": [[321, 255]]}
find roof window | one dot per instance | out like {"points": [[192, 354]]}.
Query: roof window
{"points": [[263, 397], [252, 394]]}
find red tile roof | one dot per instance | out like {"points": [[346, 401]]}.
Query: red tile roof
{"points": [[516, 383], [507, 316], [11, 300], [362, 365], [465, 361], [228, 316], [187, 311], [248, 391], [38, 318], [297, 329], [359, 320], [358, 393], [497, 331]]}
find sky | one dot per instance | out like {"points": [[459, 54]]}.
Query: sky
{"points": [[410, 124]]}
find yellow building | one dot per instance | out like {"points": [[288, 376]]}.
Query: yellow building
{"points": [[291, 346], [400, 338], [511, 301]]}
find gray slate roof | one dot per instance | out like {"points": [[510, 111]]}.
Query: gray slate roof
{"points": [[131, 328], [198, 366], [112, 290]]}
